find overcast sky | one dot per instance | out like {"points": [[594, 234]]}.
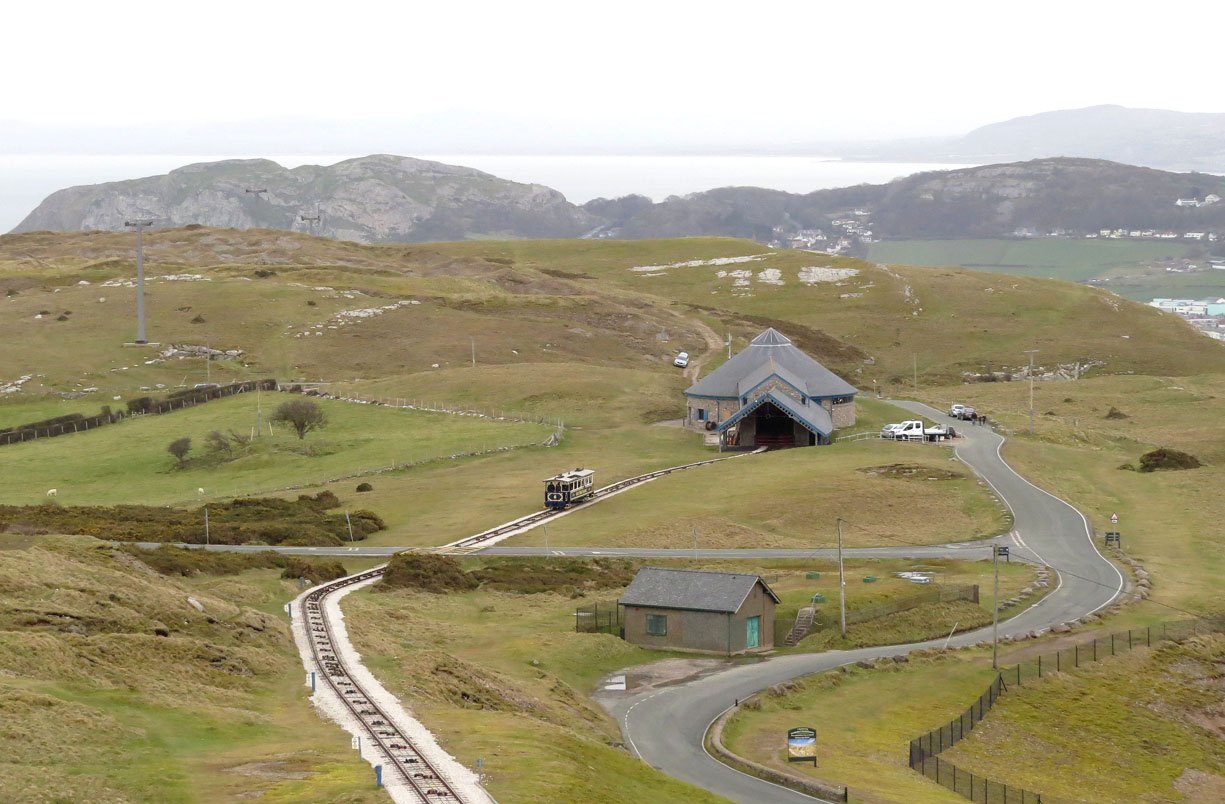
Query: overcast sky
{"points": [[674, 72]]}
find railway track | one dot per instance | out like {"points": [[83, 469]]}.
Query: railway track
{"points": [[406, 761], [479, 540]]}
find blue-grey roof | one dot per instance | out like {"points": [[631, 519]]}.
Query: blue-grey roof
{"points": [[771, 345], [764, 372], [693, 590], [812, 415]]}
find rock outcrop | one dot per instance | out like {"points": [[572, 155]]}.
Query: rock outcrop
{"points": [[373, 199]]}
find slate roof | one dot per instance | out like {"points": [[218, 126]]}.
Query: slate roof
{"points": [[692, 590], [764, 372], [771, 345], [812, 415]]}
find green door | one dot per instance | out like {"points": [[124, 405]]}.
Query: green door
{"points": [[753, 633]]}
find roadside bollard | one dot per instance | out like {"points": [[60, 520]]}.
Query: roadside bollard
{"points": [[378, 775]]}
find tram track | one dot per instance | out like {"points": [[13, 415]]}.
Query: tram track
{"points": [[515, 526], [379, 729], [406, 761]]}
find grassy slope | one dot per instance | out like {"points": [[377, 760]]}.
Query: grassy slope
{"points": [[1055, 258], [527, 675], [128, 462], [1125, 729], [116, 714]]}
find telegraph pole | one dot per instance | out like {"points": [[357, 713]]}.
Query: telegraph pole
{"points": [[473, 351], [140, 225], [1031, 353], [841, 580], [995, 617], [915, 362]]}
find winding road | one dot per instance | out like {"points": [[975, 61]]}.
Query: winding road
{"points": [[668, 732]]}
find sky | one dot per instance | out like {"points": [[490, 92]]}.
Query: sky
{"points": [[673, 74]]}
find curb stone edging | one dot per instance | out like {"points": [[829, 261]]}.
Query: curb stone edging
{"points": [[798, 783]]}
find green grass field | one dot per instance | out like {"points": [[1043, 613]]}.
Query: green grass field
{"points": [[128, 462]]}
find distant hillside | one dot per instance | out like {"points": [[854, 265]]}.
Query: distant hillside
{"points": [[989, 201], [373, 199], [388, 199], [1157, 138]]}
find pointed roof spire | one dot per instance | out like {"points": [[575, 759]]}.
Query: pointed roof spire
{"points": [[771, 337]]}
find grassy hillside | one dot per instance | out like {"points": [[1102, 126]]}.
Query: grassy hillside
{"points": [[1089, 736], [128, 462], [114, 689]]}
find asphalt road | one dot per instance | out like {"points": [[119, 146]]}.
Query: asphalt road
{"points": [[966, 550], [668, 731]]}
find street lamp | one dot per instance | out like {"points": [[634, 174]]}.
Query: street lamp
{"points": [[140, 225], [1031, 353]]}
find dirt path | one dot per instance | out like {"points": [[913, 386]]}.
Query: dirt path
{"points": [[713, 344]]}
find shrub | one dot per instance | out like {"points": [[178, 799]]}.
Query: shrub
{"points": [[1115, 413], [304, 415], [318, 572], [1127, 467], [430, 573], [199, 319], [311, 302], [179, 449], [365, 487], [1167, 459]]}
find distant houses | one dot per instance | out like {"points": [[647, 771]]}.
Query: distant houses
{"points": [[1206, 315]]}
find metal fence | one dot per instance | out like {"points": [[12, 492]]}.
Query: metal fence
{"points": [[598, 618], [925, 750]]}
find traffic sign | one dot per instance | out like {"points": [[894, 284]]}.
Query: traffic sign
{"points": [[1114, 519]]}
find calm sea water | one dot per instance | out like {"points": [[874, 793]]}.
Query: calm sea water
{"points": [[27, 180]]}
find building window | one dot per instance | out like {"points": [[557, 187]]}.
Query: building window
{"points": [[657, 625], [701, 414]]}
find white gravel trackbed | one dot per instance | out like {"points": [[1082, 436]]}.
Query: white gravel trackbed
{"points": [[329, 704]]}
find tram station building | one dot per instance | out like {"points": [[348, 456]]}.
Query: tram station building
{"points": [[698, 611], [771, 395]]}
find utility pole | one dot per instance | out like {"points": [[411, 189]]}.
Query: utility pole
{"points": [[311, 220], [473, 351], [1031, 353], [140, 225], [208, 361], [350, 524], [729, 346], [841, 580], [915, 362], [995, 617], [695, 538], [206, 537], [546, 539]]}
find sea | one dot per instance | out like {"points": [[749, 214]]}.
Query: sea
{"points": [[25, 180]]}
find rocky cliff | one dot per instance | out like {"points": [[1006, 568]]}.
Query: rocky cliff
{"points": [[373, 199]]}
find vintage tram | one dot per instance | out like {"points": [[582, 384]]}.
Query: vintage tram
{"points": [[569, 488]]}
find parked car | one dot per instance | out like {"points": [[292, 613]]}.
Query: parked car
{"points": [[682, 360], [966, 413], [889, 430], [956, 410]]}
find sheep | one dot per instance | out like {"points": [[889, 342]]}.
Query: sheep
{"points": [[52, 492]]}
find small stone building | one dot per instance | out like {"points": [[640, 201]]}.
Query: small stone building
{"points": [[771, 395], [698, 611]]}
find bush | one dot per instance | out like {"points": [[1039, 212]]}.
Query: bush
{"points": [[1167, 459], [365, 487], [317, 572], [1115, 413], [430, 573], [304, 415], [179, 449]]}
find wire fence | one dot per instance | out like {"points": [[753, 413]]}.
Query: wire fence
{"points": [[598, 618], [925, 750]]}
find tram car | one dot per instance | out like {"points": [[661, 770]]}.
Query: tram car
{"points": [[569, 488]]}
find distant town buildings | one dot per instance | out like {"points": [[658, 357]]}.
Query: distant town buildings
{"points": [[1206, 315]]}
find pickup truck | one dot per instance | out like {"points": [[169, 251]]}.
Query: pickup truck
{"points": [[913, 430]]}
